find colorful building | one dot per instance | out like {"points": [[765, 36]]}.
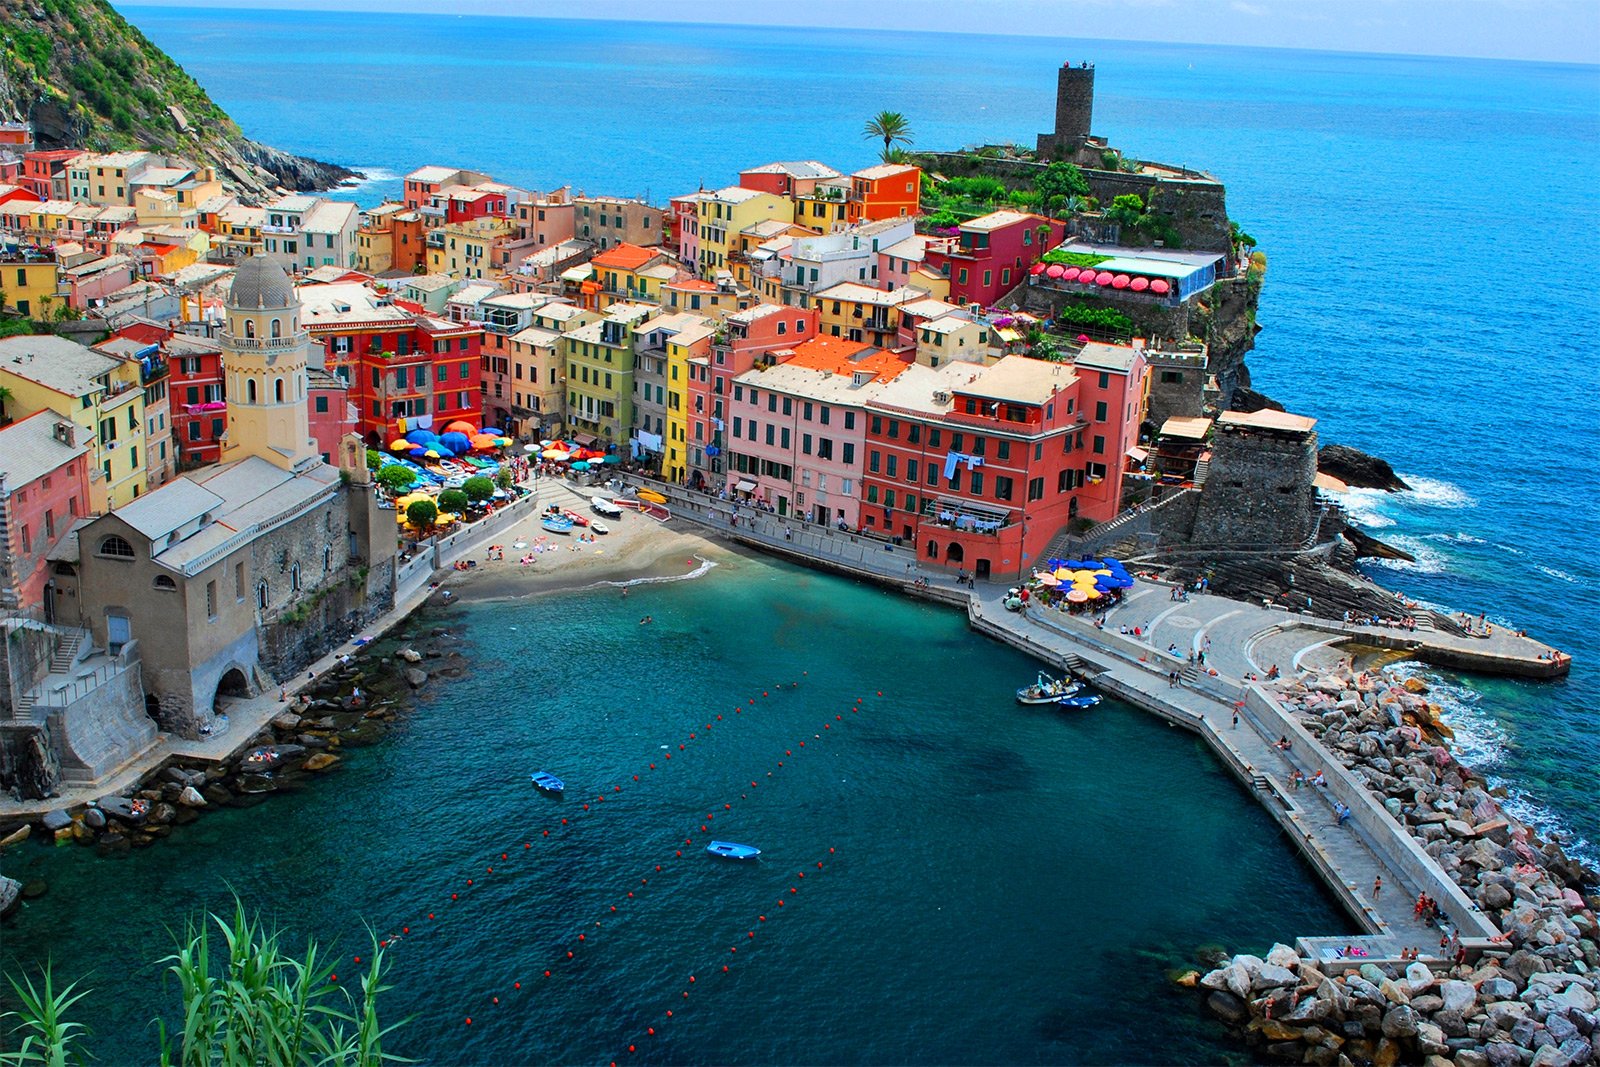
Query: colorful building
{"points": [[330, 414], [199, 408], [468, 249], [539, 369], [44, 489], [685, 350], [859, 312], [790, 179], [796, 430], [724, 214], [886, 191], [600, 370], [31, 284], [992, 255], [609, 221], [627, 272], [102, 394], [44, 173], [106, 180], [422, 184]]}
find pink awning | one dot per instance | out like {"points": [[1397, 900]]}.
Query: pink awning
{"points": [[1159, 285], [1139, 285], [1120, 281], [1104, 278], [1036, 269], [1055, 270], [1070, 273]]}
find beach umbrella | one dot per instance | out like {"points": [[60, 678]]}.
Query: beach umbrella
{"points": [[461, 426], [1077, 596], [1139, 285], [581, 465], [1070, 274], [1083, 338], [1037, 269], [557, 456], [494, 430], [402, 445], [611, 461], [502, 442], [1159, 285], [421, 437], [1105, 277], [418, 453], [1120, 281], [535, 449], [485, 441], [1050, 580], [456, 442], [1055, 270], [432, 453]]}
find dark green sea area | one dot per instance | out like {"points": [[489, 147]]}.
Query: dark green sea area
{"points": [[998, 884]]}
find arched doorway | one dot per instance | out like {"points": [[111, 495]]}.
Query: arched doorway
{"points": [[953, 552], [233, 686], [152, 706]]}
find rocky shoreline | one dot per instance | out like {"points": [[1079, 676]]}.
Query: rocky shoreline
{"points": [[1528, 1000], [351, 705]]}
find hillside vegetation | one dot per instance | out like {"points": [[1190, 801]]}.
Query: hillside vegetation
{"points": [[86, 78]]}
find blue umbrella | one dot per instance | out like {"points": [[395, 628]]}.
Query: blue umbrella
{"points": [[456, 442], [581, 465], [418, 453], [421, 437], [492, 430]]}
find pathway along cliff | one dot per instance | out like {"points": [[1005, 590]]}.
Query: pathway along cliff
{"points": [[85, 78]]}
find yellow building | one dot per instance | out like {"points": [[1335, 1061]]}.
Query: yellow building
{"points": [[30, 285], [632, 274], [600, 366], [103, 395], [466, 249], [952, 338], [725, 214], [823, 206], [375, 239], [703, 298], [682, 347], [539, 368], [861, 313], [106, 180]]}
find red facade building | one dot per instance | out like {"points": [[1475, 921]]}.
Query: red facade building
{"points": [[198, 405], [44, 489], [44, 173], [992, 255]]}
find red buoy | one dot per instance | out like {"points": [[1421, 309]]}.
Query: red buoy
{"points": [[724, 968], [516, 985], [405, 929], [763, 692], [333, 978], [430, 914], [497, 1000], [763, 918], [547, 974], [586, 807], [613, 907], [580, 937], [658, 866], [616, 789], [453, 897], [669, 1013], [691, 978], [569, 955], [651, 1031], [469, 1020], [469, 881]]}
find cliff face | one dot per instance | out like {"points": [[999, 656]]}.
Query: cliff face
{"points": [[86, 78]]}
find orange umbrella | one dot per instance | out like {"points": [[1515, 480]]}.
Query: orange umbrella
{"points": [[461, 426], [485, 440]]}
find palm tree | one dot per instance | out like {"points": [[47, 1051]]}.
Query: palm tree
{"points": [[889, 125]]}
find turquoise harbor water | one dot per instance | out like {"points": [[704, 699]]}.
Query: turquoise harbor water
{"points": [[1430, 230], [1000, 884]]}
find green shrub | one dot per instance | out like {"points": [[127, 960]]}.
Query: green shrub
{"points": [[453, 501], [478, 488], [1073, 259], [422, 513], [396, 478], [374, 459], [1061, 179], [1104, 319]]}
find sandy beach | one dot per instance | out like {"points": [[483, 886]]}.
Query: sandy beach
{"points": [[637, 548]]}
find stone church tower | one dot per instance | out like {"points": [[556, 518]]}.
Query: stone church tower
{"points": [[265, 353]]}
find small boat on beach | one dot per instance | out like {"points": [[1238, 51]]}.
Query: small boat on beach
{"points": [[1078, 703], [574, 517], [547, 782], [651, 496], [558, 524], [599, 527], [605, 507], [731, 851], [1046, 690]]}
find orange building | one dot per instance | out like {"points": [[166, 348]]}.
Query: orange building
{"points": [[887, 191]]}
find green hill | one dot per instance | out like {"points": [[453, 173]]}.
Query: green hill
{"points": [[86, 78]]}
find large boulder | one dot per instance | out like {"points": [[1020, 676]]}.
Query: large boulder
{"points": [[1400, 1022], [1227, 1007], [10, 894], [191, 797], [416, 678], [1359, 470], [1458, 996], [1271, 976]]}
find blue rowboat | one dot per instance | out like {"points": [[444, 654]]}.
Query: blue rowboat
{"points": [[1078, 702], [731, 851], [557, 524], [548, 782]]}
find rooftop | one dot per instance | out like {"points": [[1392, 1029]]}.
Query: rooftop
{"points": [[760, 311], [883, 170], [1189, 428], [1019, 379], [735, 194], [1118, 358], [1265, 419], [625, 257], [996, 220], [158, 513], [805, 168], [55, 363], [929, 308], [29, 448], [247, 492], [865, 294], [344, 303], [839, 356], [329, 216], [925, 389], [432, 174]]}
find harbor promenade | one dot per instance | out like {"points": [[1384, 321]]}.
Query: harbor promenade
{"points": [[1239, 718]]}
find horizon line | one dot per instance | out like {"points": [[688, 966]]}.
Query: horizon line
{"points": [[367, 8]]}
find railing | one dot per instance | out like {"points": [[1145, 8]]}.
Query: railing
{"points": [[1074, 288], [261, 344]]}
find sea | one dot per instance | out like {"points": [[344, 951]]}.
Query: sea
{"points": [[1007, 886]]}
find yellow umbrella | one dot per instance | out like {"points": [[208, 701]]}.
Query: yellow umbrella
{"points": [[401, 445]]}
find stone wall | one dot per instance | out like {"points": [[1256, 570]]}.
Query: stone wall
{"points": [[24, 660], [1177, 385], [103, 729], [1150, 319], [1260, 491], [29, 769]]}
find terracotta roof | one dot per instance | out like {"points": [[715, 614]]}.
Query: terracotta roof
{"points": [[625, 257], [839, 356]]}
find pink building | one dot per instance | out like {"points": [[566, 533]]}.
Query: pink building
{"points": [[97, 279], [1113, 392], [749, 336], [683, 226], [992, 255], [796, 178], [331, 413], [797, 431], [44, 489]]}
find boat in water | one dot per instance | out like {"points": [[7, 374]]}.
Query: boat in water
{"points": [[1078, 703], [548, 782], [605, 507], [730, 850], [559, 524], [1046, 690]]}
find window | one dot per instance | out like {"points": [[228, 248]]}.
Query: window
{"points": [[913, 433], [874, 459], [238, 581], [892, 465], [322, 404], [849, 455], [977, 483], [988, 277], [116, 547], [805, 444], [1002, 450], [1035, 488], [1002, 487], [849, 420], [165, 583], [211, 597], [911, 470], [1099, 445], [442, 372], [49, 521], [1100, 411]]}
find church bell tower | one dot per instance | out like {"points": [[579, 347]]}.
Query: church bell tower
{"points": [[265, 353]]}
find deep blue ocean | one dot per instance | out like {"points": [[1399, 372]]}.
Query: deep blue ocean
{"points": [[1432, 229]]}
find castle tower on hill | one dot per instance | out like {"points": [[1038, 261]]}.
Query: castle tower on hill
{"points": [[265, 354], [1074, 112]]}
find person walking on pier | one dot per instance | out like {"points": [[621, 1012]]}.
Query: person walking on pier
{"points": [[1377, 886]]}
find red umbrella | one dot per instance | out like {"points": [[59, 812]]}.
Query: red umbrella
{"points": [[1037, 268], [1104, 278], [1120, 281], [1159, 286], [1071, 273], [1083, 338], [1139, 285], [1055, 270]]}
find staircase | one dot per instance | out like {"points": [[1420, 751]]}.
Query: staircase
{"points": [[66, 653], [1201, 470]]}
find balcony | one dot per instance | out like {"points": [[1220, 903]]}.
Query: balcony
{"points": [[965, 516], [263, 344]]}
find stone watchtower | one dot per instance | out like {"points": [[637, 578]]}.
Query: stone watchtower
{"points": [[265, 353], [1260, 491], [1074, 112]]}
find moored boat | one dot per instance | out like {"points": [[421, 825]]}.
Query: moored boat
{"points": [[547, 782], [559, 524], [1046, 690], [1077, 703], [732, 851], [574, 517], [599, 527], [605, 507]]}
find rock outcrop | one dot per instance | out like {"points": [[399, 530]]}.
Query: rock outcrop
{"points": [[1359, 470], [86, 78]]}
